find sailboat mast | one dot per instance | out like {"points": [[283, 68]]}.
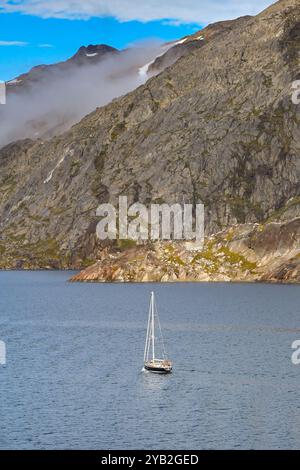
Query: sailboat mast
{"points": [[152, 312], [146, 352]]}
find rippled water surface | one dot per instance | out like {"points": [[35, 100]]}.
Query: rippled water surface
{"points": [[74, 357]]}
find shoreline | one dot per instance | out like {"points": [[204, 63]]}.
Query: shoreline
{"points": [[179, 281]]}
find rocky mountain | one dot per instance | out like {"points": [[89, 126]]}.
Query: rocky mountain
{"points": [[218, 126], [187, 44], [85, 56]]}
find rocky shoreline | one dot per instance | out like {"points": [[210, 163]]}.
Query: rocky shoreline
{"points": [[243, 253]]}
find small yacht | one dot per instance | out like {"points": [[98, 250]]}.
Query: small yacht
{"points": [[160, 364]]}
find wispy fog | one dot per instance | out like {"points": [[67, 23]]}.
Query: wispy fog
{"points": [[61, 98]]}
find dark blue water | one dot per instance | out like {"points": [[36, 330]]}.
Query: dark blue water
{"points": [[74, 357]]}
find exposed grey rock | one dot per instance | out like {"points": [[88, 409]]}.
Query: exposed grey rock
{"points": [[187, 44]]}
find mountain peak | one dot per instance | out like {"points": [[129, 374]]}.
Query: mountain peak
{"points": [[93, 51]]}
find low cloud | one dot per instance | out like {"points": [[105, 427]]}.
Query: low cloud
{"points": [[182, 11], [12, 43], [57, 97]]}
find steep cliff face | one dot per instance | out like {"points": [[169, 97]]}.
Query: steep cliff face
{"points": [[187, 44], [217, 127]]}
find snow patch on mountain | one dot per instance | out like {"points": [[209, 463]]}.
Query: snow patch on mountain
{"points": [[49, 177], [182, 41], [14, 82], [143, 71]]}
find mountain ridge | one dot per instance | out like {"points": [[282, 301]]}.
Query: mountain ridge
{"points": [[81, 57]]}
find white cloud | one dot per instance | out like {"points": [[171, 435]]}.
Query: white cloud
{"points": [[45, 46], [13, 43], [59, 99], [185, 11]]}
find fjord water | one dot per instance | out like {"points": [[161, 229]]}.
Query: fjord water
{"points": [[74, 357]]}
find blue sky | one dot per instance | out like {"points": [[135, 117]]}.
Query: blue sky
{"points": [[51, 40], [36, 32]]}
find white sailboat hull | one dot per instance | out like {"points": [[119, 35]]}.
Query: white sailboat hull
{"points": [[156, 370], [158, 366]]}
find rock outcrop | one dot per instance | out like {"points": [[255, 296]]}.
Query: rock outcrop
{"points": [[250, 252]]}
